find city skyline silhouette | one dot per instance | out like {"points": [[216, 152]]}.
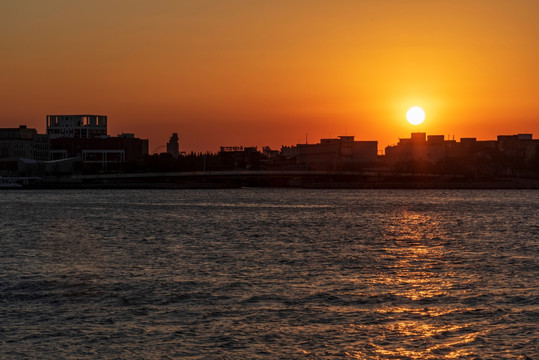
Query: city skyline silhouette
{"points": [[269, 179]]}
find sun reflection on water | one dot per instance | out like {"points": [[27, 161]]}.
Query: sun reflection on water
{"points": [[414, 271]]}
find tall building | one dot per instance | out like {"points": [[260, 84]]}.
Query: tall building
{"points": [[173, 147], [76, 126]]}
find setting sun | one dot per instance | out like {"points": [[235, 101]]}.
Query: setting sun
{"points": [[415, 115]]}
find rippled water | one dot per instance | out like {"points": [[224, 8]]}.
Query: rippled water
{"points": [[269, 273]]}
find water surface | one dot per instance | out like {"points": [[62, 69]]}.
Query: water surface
{"points": [[269, 273]]}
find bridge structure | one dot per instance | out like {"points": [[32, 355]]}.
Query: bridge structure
{"points": [[368, 179], [241, 178]]}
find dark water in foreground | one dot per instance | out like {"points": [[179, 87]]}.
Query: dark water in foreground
{"points": [[264, 273]]}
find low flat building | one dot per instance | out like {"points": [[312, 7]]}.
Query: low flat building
{"points": [[21, 142], [520, 146], [100, 150], [239, 157], [508, 155], [420, 147], [85, 137], [335, 154]]}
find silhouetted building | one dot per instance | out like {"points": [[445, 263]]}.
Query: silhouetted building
{"points": [[173, 147], [512, 155], [334, 154], [85, 136], [521, 146], [289, 152], [102, 151], [76, 126], [239, 157], [420, 147], [467, 142], [270, 154], [23, 142]]}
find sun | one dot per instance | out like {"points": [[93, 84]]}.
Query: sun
{"points": [[415, 115]]}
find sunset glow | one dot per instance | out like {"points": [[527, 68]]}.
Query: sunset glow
{"points": [[267, 73]]}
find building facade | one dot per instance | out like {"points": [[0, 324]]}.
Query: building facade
{"points": [[420, 147], [21, 142], [76, 126], [508, 155], [100, 150], [335, 154], [520, 146], [85, 137]]}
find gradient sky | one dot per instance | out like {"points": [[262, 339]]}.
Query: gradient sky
{"points": [[253, 72]]}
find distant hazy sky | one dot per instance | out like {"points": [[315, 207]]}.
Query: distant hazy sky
{"points": [[253, 72]]}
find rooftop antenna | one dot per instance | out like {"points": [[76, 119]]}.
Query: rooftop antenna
{"points": [[306, 139]]}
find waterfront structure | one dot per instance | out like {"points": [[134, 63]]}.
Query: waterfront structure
{"points": [[420, 147], [434, 148], [521, 146], [102, 151], [334, 154], [76, 126], [85, 137], [239, 157], [508, 155], [21, 142], [173, 147]]}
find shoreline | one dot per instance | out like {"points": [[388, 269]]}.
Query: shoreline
{"points": [[236, 183]]}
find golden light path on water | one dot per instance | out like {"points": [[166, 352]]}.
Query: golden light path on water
{"points": [[417, 275]]}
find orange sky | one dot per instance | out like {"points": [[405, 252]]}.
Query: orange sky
{"points": [[244, 72]]}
